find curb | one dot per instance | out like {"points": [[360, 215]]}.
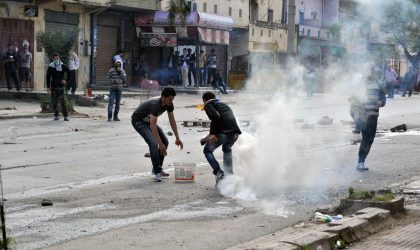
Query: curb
{"points": [[321, 236]]}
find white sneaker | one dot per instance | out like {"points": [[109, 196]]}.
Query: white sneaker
{"points": [[361, 166], [158, 177]]}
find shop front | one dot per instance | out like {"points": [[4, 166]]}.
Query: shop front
{"points": [[160, 38]]}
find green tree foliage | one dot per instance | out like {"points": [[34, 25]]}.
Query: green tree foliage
{"points": [[178, 8], [402, 20], [335, 30], [58, 42]]}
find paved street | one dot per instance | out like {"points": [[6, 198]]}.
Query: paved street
{"points": [[96, 174]]}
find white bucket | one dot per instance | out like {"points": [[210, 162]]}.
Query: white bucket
{"points": [[184, 172], [11, 136]]}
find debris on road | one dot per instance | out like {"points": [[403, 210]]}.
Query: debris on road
{"points": [[308, 126], [46, 202], [325, 120], [399, 128], [8, 108], [147, 155], [204, 124], [170, 133]]}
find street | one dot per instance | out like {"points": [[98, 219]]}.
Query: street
{"points": [[99, 181]]}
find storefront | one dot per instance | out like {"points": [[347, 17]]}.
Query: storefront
{"points": [[160, 38]]}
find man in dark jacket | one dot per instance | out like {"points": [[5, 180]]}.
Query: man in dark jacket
{"points": [[373, 99], [10, 67], [224, 131], [58, 75]]}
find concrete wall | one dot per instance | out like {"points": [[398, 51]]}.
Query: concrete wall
{"points": [[16, 12], [330, 13], [84, 34], [309, 7], [275, 5]]}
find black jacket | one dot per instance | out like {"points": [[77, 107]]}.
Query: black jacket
{"points": [[54, 77], [222, 118]]}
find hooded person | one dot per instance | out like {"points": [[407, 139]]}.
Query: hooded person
{"points": [[58, 75]]}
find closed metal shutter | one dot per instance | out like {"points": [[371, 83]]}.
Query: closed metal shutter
{"points": [[106, 50]]}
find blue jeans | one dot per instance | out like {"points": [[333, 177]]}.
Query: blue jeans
{"points": [[368, 135], [143, 128], [114, 94], [226, 140]]}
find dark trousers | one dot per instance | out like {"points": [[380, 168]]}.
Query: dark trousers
{"points": [[391, 89], [368, 135], [226, 140], [58, 96], [191, 71], [211, 75], [143, 128], [114, 96], [11, 72], [72, 84]]}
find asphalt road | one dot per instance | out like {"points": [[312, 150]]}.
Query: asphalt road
{"points": [[96, 174]]}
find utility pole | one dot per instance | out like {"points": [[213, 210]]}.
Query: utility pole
{"points": [[291, 28]]}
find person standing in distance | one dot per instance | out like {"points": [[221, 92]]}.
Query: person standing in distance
{"points": [[144, 121], [116, 76], [224, 131], [58, 75]]}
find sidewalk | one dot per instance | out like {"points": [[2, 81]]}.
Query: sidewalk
{"points": [[369, 228]]}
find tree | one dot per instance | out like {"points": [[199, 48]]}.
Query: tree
{"points": [[58, 42], [178, 8], [402, 19], [335, 30]]}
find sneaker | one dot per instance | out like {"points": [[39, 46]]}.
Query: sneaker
{"points": [[219, 176], [66, 119], [109, 119], [361, 166], [116, 119], [164, 174], [158, 177], [56, 118]]}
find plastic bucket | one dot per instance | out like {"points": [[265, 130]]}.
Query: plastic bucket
{"points": [[184, 172]]}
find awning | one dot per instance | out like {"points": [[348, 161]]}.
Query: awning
{"points": [[208, 28]]}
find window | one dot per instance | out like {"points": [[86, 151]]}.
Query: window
{"points": [[252, 31], [270, 15], [319, 34], [262, 32], [303, 31], [230, 11], [215, 8], [192, 5], [204, 7], [240, 12], [309, 32], [269, 33], [301, 17]]}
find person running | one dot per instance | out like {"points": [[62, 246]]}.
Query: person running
{"points": [[58, 75], [144, 121], [116, 77], [373, 99], [224, 131]]}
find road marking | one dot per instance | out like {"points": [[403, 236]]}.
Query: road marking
{"points": [[34, 192]]}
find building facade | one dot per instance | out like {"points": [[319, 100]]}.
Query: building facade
{"points": [[24, 20]]}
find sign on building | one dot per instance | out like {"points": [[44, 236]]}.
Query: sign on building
{"points": [[158, 39]]}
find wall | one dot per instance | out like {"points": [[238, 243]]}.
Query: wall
{"points": [[84, 34], [308, 6], [330, 13]]}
